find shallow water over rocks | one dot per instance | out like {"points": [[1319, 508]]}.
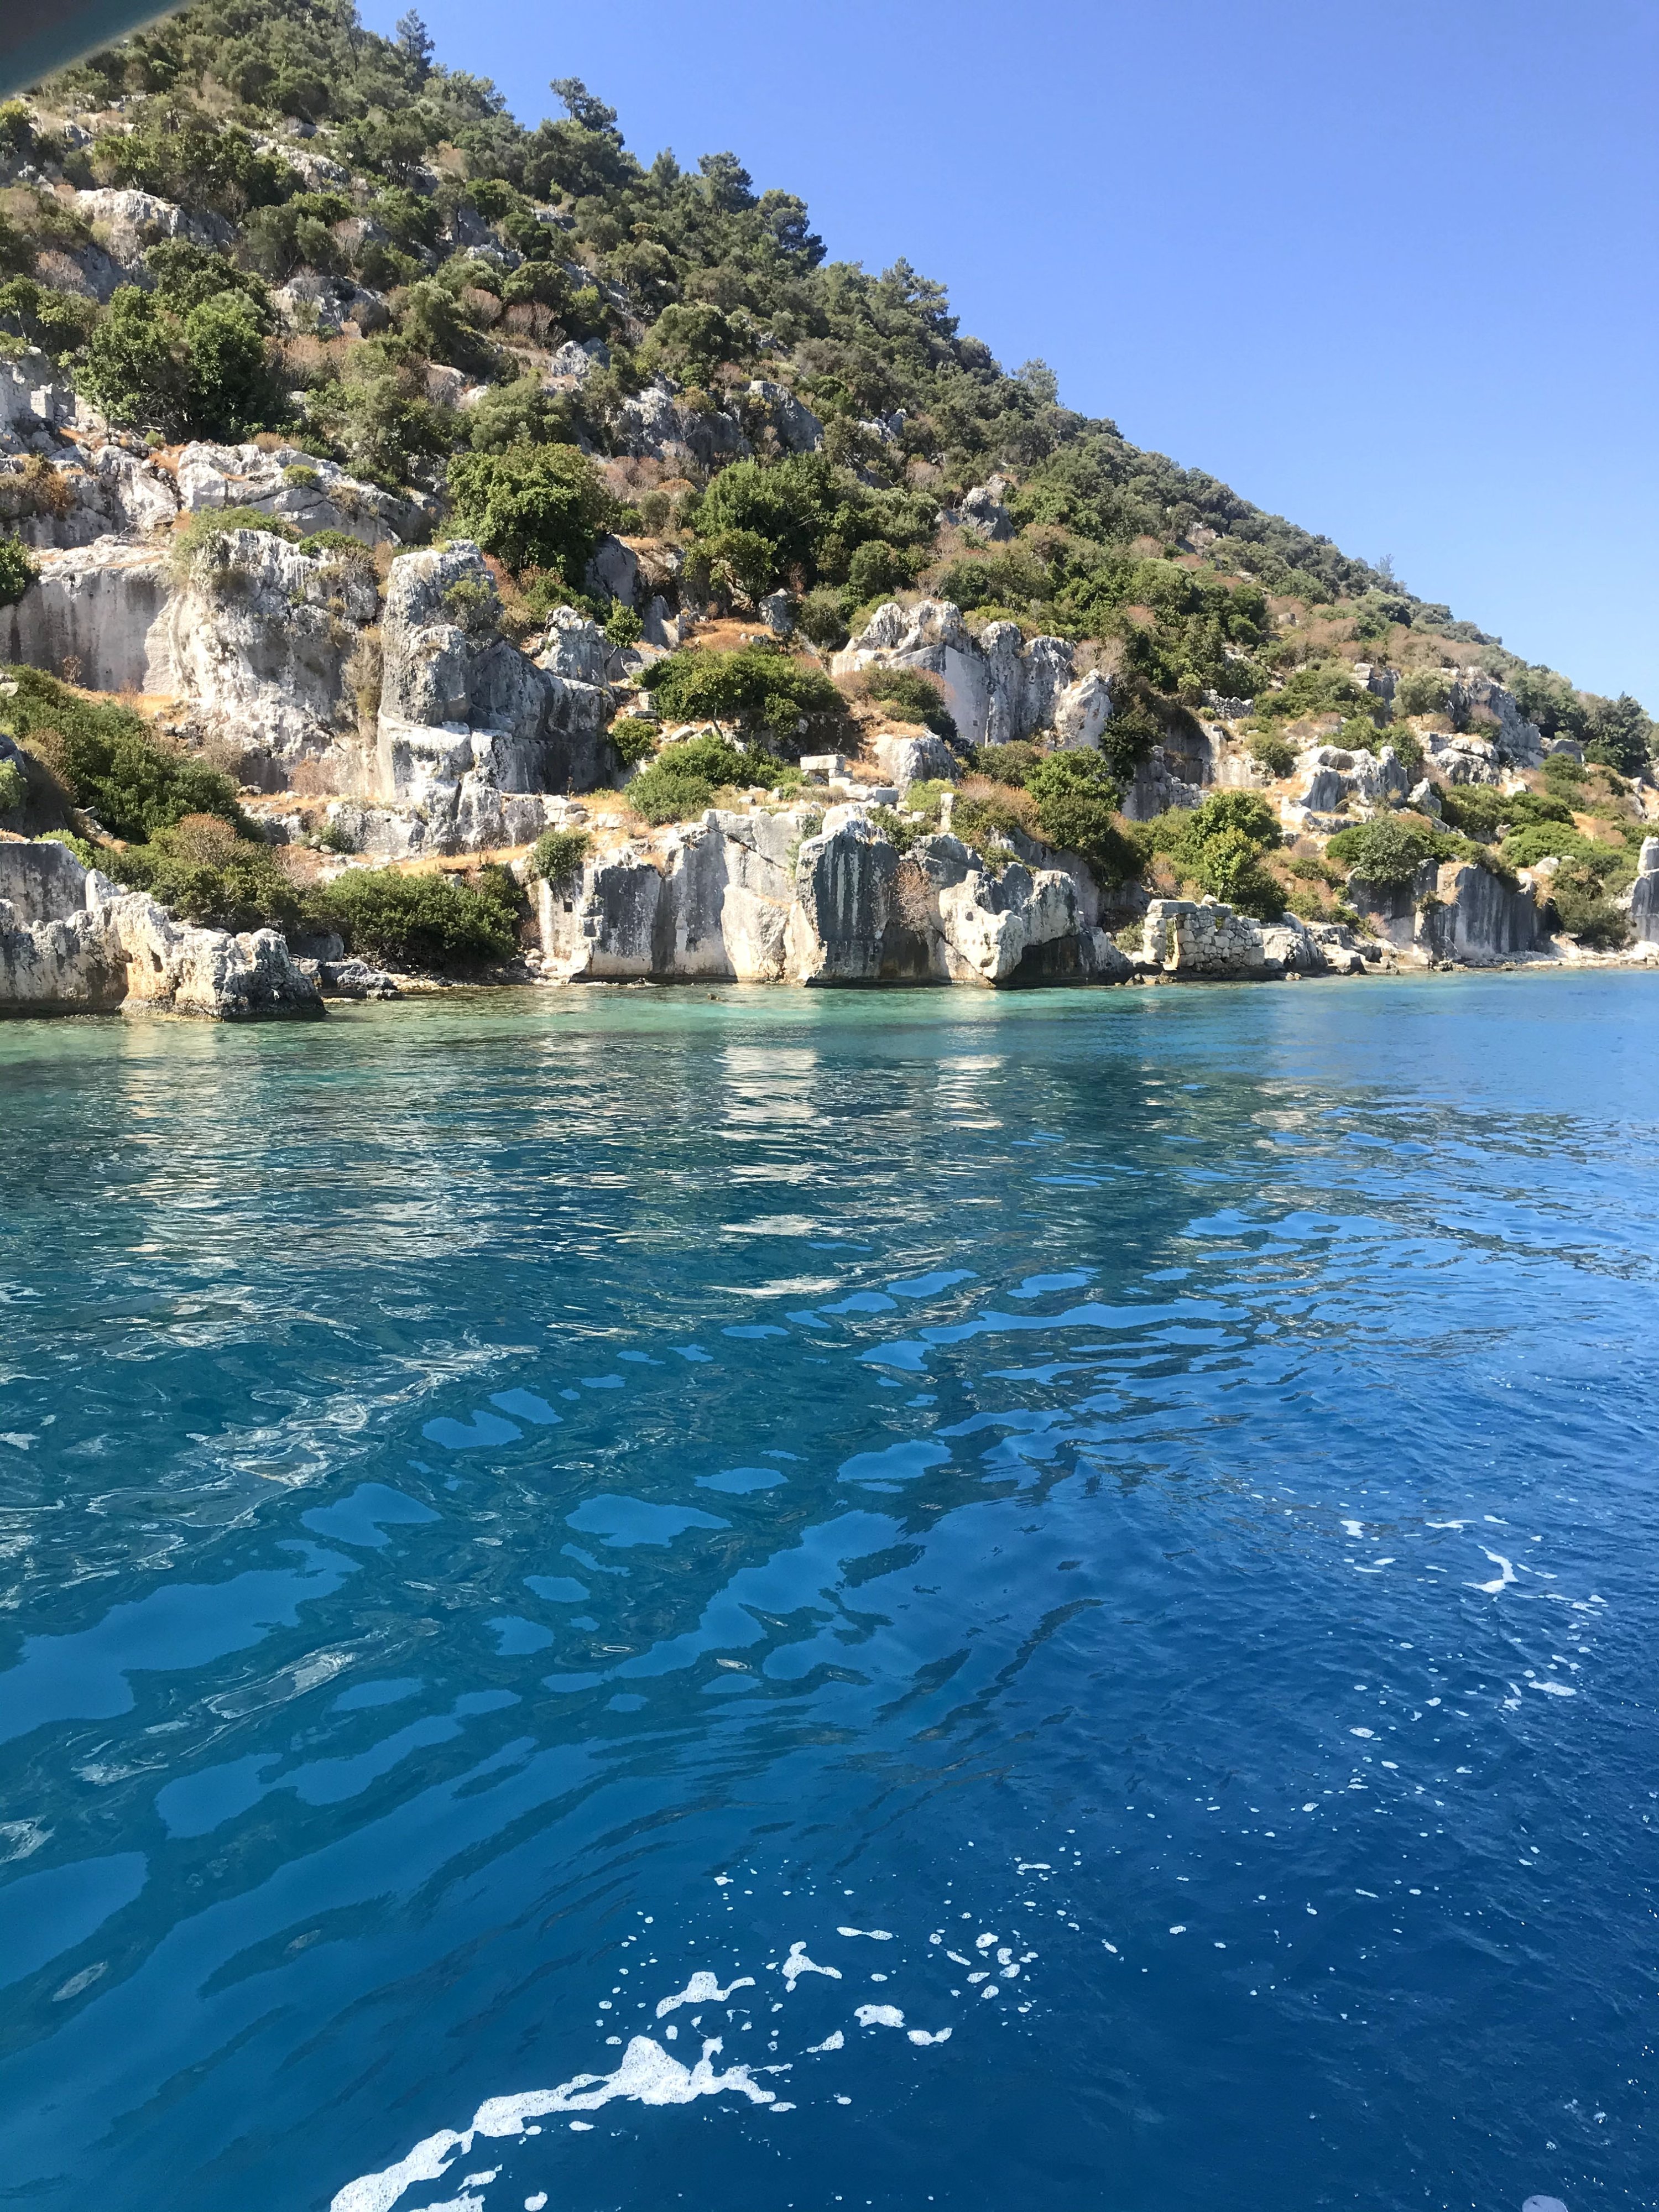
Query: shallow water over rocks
{"points": [[780, 1600]]}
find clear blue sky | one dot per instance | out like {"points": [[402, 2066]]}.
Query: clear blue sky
{"points": [[1389, 272]]}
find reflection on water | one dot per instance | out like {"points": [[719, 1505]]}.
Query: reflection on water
{"points": [[786, 1599]]}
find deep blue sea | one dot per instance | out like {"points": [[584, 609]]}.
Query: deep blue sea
{"points": [[758, 1600]]}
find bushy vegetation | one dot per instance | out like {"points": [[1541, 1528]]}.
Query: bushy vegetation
{"points": [[683, 779], [18, 568], [109, 762], [203, 871], [760, 686], [910, 695], [533, 507], [432, 921], [1388, 852], [1218, 847], [557, 856]]}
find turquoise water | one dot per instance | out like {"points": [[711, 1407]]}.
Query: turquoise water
{"points": [[1038, 1602]]}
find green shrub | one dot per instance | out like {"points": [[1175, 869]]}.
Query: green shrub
{"points": [[759, 685], [18, 569], [1618, 734], [1563, 776], [1272, 752], [1323, 687], [204, 374], [201, 870], [821, 617], [13, 788], [557, 856], [1422, 691], [1584, 910], [1387, 852], [1218, 847], [910, 694], [108, 760], [622, 626], [1012, 764], [1078, 797], [437, 921], [635, 736], [877, 569], [683, 779], [533, 507], [984, 821]]}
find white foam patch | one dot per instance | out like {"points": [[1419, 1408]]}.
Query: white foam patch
{"points": [[703, 1989], [798, 1964], [648, 2075], [377, 2192], [1505, 1575], [836, 2042], [879, 2016], [920, 2035], [873, 1935]]}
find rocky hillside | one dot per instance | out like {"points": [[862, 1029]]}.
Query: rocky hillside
{"points": [[386, 489]]}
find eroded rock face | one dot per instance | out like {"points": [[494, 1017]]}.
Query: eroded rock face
{"points": [[75, 497], [468, 726], [997, 687], [1332, 775], [791, 421], [1479, 918], [654, 425], [746, 898], [1205, 940], [126, 222], [101, 610], [72, 942], [261, 645], [313, 495], [914, 756]]}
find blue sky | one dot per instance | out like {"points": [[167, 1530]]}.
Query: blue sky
{"points": [[1387, 272]]}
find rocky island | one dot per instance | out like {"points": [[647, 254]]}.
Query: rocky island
{"points": [[437, 549]]}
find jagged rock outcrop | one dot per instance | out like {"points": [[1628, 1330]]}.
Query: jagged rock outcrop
{"points": [[746, 898], [1645, 894], [914, 756], [473, 735], [81, 494], [653, 425], [1454, 910], [767, 407], [1478, 918], [126, 223], [101, 612], [1204, 939], [997, 686], [310, 493], [73, 942], [263, 643], [1332, 775], [983, 513], [34, 400]]}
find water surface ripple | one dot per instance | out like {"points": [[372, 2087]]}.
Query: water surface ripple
{"points": [[785, 1599]]}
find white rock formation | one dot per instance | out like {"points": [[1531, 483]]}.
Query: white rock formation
{"points": [[997, 687], [73, 942], [102, 609], [313, 495], [791, 421], [914, 756], [126, 222], [468, 726]]}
